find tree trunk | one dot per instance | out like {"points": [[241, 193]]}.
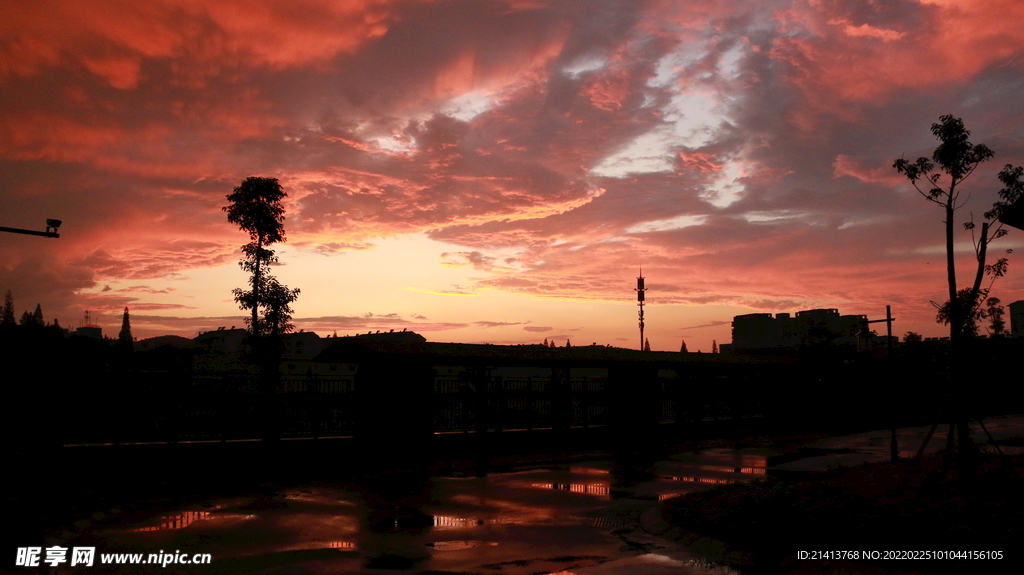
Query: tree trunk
{"points": [[256, 288], [955, 319], [982, 248]]}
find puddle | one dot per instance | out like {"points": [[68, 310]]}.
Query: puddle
{"points": [[458, 545]]}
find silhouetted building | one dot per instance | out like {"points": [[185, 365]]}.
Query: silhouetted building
{"points": [[302, 345], [459, 386], [1017, 318], [92, 331], [393, 336], [222, 340], [762, 330]]}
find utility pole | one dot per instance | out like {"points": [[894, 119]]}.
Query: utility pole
{"points": [[640, 289], [888, 326]]}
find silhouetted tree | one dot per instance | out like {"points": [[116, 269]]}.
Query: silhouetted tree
{"points": [[34, 318], [8, 313], [647, 344], [256, 208], [714, 346], [277, 301], [912, 337], [124, 338], [567, 344], [971, 317], [682, 348], [995, 314], [957, 157]]}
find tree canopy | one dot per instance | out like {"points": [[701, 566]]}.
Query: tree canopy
{"points": [[956, 158], [255, 207]]}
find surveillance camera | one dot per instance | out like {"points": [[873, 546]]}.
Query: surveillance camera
{"points": [[51, 223]]}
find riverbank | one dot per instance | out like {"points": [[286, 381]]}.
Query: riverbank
{"points": [[910, 507]]}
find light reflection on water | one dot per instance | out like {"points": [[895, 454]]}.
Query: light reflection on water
{"points": [[592, 489], [445, 522], [555, 520], [458, 545], [186, 518], [586, 519], [178, 521], [711, 480]]}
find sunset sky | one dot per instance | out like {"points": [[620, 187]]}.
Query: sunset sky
{"points": [[498, 171]]}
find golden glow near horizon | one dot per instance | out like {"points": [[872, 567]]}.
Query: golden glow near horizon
{"points": [[395, 285]]}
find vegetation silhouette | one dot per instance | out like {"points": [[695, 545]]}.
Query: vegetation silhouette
{"points": [[995, 314], [125, 342], [256, 208], [957, 158], [7, 317]]}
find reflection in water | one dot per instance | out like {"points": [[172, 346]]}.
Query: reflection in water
{"points": [[589, 471], [186, 518], [593, 489], [729, 469], [693, 479], [458, 545], [609, 522], [649, 563], [179, 521], [526, 522], [444, 521]]}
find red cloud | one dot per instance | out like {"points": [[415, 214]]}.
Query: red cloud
{"points": [[465, 121], [832, 56]]}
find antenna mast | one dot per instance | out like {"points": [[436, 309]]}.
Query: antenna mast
{"points": [[640, 289]]}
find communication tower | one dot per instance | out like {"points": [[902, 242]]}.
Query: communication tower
{"points": [[640, 289]]}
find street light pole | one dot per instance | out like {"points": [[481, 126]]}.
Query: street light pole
{"points": [[51, 230]]}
